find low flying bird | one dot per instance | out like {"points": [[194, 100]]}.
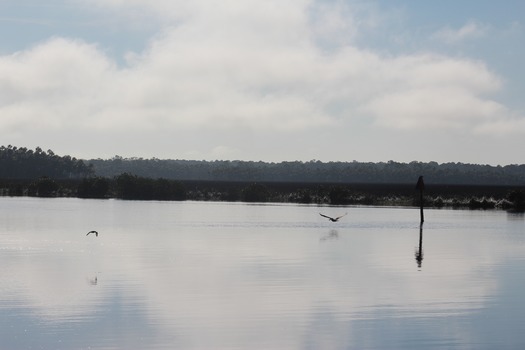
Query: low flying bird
{"points": [[333, 219], [95, 232]]}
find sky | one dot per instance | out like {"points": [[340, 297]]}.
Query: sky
{"points": [[272, 80]]}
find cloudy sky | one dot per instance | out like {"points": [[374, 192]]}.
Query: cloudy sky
{"points": [[273, 80]]}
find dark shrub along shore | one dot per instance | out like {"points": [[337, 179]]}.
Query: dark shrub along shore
{"points": [[132, 187]]}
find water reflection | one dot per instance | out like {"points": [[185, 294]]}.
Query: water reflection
{"points": [[93, 281], [332, 235], [515, 215], [256, 277], [419, 250]]}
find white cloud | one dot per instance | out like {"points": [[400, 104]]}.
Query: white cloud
{"points": [[424, 91], [426, 109], [245, 66], [471, 30], [512, 125], [52, 85]]}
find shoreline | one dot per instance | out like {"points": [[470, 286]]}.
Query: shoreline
{"points": [[367, 194]]}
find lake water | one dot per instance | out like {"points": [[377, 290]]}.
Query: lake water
{"points": [[200, 275]]}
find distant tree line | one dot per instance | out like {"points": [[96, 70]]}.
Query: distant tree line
{"points": [[23, 163], [313, 171]]}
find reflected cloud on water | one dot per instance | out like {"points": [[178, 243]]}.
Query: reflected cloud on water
{"points": [[196, 285]]}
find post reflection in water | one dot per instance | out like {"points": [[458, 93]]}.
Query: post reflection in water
{"points": [[419, 250]]}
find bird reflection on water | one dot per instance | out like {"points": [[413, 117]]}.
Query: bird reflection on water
{"points": [[333, 234]]}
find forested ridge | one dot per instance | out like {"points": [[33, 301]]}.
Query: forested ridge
{"points": [[313, 171], [23, 163]]}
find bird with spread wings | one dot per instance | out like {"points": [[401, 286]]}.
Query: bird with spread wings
{"points": [[331, 218]]}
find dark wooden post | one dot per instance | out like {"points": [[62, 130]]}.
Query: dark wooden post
{"points": [[421, 186]]}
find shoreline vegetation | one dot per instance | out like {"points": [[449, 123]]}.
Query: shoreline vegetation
{"points": [[131, 187], [25, 172]]}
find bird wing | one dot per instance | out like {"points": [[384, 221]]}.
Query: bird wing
{"points": [[91, 232], [325, 216], [339, 217]]}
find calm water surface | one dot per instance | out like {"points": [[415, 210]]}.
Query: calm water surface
{"points": [[198, 275]]}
